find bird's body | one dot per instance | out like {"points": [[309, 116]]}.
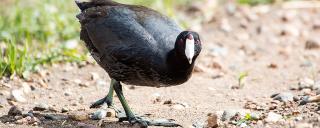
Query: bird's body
{"points": [[138, 46], [133, 43]]}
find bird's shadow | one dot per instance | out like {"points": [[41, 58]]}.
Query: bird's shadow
{"points": [[47, 120]]}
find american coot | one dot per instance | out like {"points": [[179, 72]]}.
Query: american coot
{"points": [[138, 46]]}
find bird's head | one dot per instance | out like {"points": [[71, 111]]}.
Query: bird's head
{"points": [[188, 45]]}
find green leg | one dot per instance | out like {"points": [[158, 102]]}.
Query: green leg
{"points": [[135, 119], [108, 99]]}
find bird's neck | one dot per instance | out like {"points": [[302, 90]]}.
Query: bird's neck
{"points": [[179, 66]]}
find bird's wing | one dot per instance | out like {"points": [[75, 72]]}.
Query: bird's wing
{"points": [[120, 36]]}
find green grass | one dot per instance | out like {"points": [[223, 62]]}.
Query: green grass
{"points": [[35, 32], [255, 2]]}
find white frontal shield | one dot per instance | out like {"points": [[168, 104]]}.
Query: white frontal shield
{"points": [[189, 51]]}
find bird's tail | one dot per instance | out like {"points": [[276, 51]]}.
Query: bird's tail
{"points": [[94, 3]]}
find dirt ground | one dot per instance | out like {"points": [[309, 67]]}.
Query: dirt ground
{"points": [[267, 42]]}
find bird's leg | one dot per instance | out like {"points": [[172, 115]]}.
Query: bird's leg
{"points": [[107, 99], [135, 119]]}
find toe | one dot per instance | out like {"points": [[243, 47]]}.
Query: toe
{"points": [[98, 103]]}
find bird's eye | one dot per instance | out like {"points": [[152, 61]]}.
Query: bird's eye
{"points": [[198, 41]]}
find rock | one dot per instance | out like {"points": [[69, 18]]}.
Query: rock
{"points": [[290, 30], [255, 116], [132, 87], [228, 114], [101, 83], [111, 113], [316, 85], [273, 117], [318, 92], [18, 95], [316, 24], [307, 91], [64, 109], [225, 25], [243, 125], [28, 120], [67, 93], [14, 111], [313, 43], [55, 117], [98, 115], [178, 107], [156, 97], [231, 8], [168, 102], [283, 97], [3, 102], [77, 81], [198, 124], [273, 66], [78, 116], [306, 83], [84, 125], [52, 109], [299, 118], [94, 76], [84, 84], [41, 107], [26, 88], [212, 121]]}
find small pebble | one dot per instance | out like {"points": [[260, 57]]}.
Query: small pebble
{"points": [[14, 111], [306, 83], [18, 95], [283, 97], [168, 102], [84, 125], [313, 43], [178, 107], [212, 121], [243, 125], [111, 112], [67, 93], [64, 109], [273, 117], [55, 117], [78, 116], [98, 115], [41, 107], [101, 83], [26, 88], [94, 76]]}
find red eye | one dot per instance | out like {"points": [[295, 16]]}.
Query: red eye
{"points": [[198, 41]]}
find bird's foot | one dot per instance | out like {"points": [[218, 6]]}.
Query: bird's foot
{"points": [[102, 101], [144, 122], [108, 101]]}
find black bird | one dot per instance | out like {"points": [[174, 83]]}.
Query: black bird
{"points": [[138, 46]]}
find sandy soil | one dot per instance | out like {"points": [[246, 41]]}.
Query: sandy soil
{"points": [[267, 42]]}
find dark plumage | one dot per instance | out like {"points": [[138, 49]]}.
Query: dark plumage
{"points": [[137, 45]]}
